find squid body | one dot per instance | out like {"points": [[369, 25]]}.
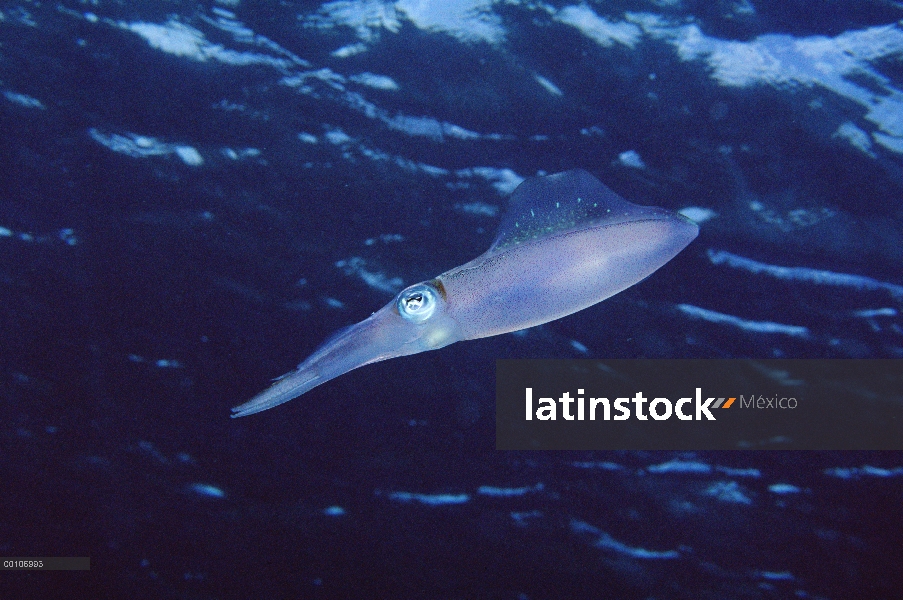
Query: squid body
{"points": [[565, 243]]}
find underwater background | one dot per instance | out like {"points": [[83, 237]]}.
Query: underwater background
{"points": [[194, 195]]}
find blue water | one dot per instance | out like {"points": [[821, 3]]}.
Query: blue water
{"points": [[194, 195]]}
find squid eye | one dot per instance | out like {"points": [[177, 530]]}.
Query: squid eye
{"points": [[417, 303]]}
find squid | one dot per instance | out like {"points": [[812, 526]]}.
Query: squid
{"points": [[566, 243]]}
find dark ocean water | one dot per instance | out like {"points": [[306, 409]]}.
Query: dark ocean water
{"points": [[194, 195]]}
